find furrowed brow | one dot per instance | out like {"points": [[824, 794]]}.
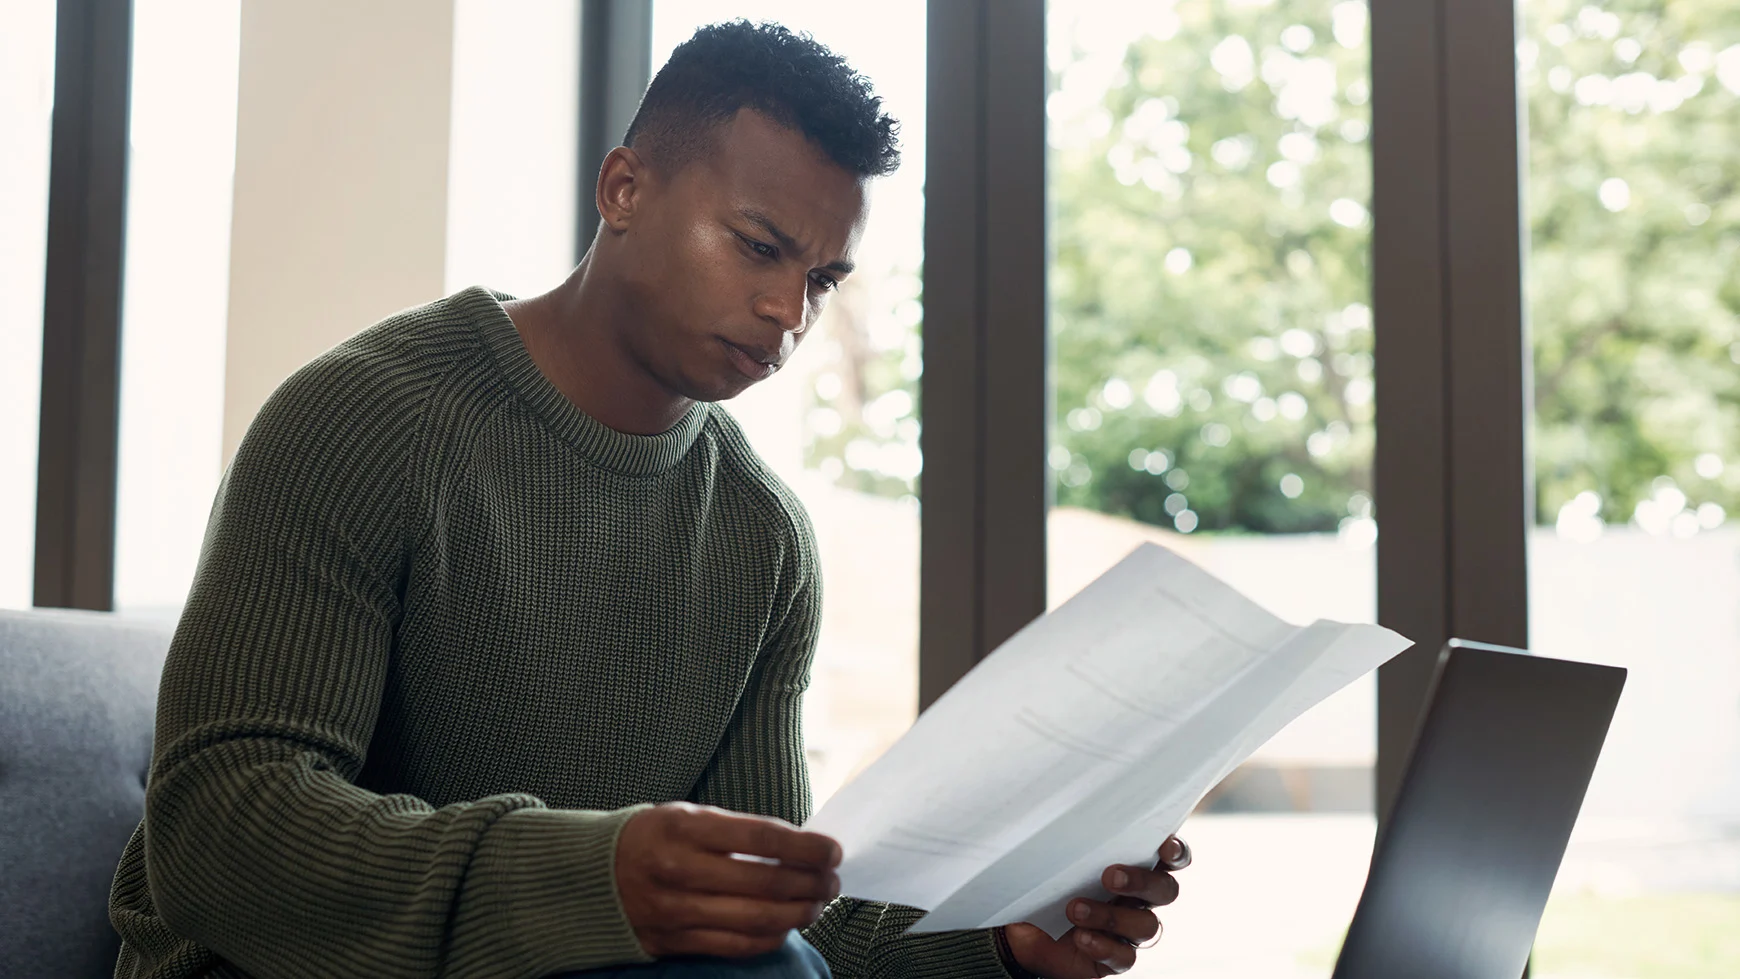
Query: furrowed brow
{"points": [[788, 243], [766, 224]]}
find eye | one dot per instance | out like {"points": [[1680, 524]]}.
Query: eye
{"points": [[760, 248], [826, 283]]}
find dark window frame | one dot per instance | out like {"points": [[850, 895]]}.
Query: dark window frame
{"points": [[77, 454], [615, 67], [1451, 472], [985, 390]]}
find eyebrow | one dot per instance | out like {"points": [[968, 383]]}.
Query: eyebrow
{"points": [[789, 243]]}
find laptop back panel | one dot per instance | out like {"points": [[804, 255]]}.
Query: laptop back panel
{"points": [[1464, 864]]}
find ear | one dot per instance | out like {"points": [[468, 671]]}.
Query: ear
{"points": [[621, 181]]}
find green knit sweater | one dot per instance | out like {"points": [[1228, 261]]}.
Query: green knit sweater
{"points": [[447, 634]]}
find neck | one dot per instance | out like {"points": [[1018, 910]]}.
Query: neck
{"points": [[574, 336]]}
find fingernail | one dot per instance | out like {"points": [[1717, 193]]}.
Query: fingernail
{"points": [[1119, 879], [1171, 850], [1078, 910], [1084, 939]]}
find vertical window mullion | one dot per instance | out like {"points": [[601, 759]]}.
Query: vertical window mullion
{"points": [[984, 389], [615, 67], [1451, 469], [75, 501]]}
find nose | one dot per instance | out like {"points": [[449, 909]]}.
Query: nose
{"points": [[785, 305]]}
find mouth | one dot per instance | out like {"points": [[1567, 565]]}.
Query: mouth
{"points": [[757, 365]]}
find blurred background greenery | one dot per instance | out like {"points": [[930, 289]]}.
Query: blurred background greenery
{"points": [[1219, 204]]}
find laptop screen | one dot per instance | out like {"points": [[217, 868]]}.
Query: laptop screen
{"points": [[1464, 863]]}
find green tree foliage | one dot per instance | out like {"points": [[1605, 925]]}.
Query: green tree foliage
{"points": [[1213, 344], [1246, 161], [1634, 263]]}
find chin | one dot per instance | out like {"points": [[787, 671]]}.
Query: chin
{"points": [[714, 389], [725, 392]]}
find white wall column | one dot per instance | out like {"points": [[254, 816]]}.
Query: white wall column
{"points": [[341, 181]]}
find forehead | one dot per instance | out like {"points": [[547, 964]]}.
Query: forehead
{"points": [[759, 165]]}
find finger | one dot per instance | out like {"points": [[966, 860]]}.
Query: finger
{"points": [[1133, 925], [730, 832], [715, 874], [1154, 887], [1105, 950], [687, 911], [724, 944], [1174, 854]]}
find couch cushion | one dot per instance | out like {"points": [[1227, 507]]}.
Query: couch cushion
{"points": [[78, 691]]}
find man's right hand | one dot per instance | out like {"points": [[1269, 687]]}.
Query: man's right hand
{"points": [[685, 894]]}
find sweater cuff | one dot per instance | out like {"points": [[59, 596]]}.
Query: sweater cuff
{"points": [[546, 883], [956, 955]]}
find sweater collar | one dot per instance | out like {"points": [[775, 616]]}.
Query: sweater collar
{"points": [[636, 455]]}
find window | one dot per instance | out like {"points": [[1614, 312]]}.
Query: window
{"points": [[175, 303], [1634, 239], [1209, 178], [840, 424], [26, 99]]}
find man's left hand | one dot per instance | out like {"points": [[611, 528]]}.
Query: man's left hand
{"points": [[1106, 933]]}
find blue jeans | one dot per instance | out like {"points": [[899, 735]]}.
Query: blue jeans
{"points": [[797, 960]]}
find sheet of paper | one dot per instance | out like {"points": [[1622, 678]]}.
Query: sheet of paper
{"points": [[1082, 741]]}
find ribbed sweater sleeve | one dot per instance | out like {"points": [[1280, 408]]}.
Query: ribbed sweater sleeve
{"points": [[760, 768], [258, 843]]}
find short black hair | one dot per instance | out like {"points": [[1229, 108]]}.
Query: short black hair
{"points": [[788, 77]]}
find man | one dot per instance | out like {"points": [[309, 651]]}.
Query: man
{"points": [[497, 615]]}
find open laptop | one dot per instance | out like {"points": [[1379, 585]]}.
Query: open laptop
{"points": [[1464, 863]]}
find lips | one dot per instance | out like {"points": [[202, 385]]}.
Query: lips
{"points": [[756, 363]]}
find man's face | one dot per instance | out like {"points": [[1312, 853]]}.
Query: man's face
{"points": [[731, 259]]}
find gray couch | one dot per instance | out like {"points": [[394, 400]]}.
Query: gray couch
{"points": [[78, 691]]}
